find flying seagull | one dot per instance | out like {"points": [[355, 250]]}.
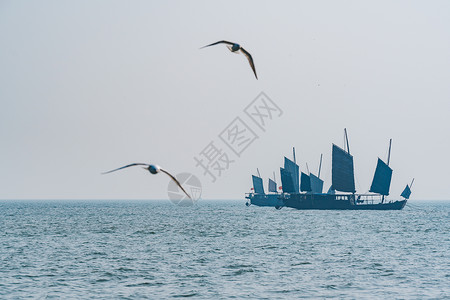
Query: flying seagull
{"points": [[154, 169], [235, 48]]}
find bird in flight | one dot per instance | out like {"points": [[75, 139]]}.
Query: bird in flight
{"points": [[154, 169], [235, 48]]}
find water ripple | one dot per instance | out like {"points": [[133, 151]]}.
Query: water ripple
{"points": [[148, 250]]}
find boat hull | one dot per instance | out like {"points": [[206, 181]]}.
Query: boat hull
{"points": [[272, 200], [337, 202]]}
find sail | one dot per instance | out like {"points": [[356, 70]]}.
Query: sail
{"points": [[286, 181], [342, 174], [292, 168], [331, 191], [272, 186], [382, 179], [305, 183], [316, 184], [258, 184], [406, 192]]}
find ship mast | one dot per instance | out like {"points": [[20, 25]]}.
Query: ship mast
{"points": [[389, 153], [348, 146], [388, 160], [259, 175], [346, 139], [320, 165], [293, 150]]}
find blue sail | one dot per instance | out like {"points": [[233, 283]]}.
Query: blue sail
{"points": [[406, 192], [286, 181], [382, 179], [292, 168], [331, 190], [316, 184], [258, 185], [272, 186], [305, 183], [342, 174]]}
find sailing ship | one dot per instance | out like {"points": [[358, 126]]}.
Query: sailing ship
{"points": [[342, 194], [260, 198]]}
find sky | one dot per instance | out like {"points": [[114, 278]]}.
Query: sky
{"points": [[89, 86]]}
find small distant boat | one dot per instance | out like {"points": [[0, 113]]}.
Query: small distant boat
{"points": [[342, 193], [260, 198]]}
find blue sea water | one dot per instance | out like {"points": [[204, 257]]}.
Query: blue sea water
{"points": [[221, 249]]}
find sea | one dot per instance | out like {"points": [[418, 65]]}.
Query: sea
{"points": [[221, 250]]}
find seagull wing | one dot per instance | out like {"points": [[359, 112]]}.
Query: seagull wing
{"points": [[130, 165], [250, 60], [219, 42], [177, 182]]}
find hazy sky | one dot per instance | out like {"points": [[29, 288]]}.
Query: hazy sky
{"points": [[88, 86]]}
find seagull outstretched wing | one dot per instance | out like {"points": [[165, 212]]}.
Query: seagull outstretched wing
{"points": [[250, 60], [219, 42], [130, 165], [177, 182]]}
